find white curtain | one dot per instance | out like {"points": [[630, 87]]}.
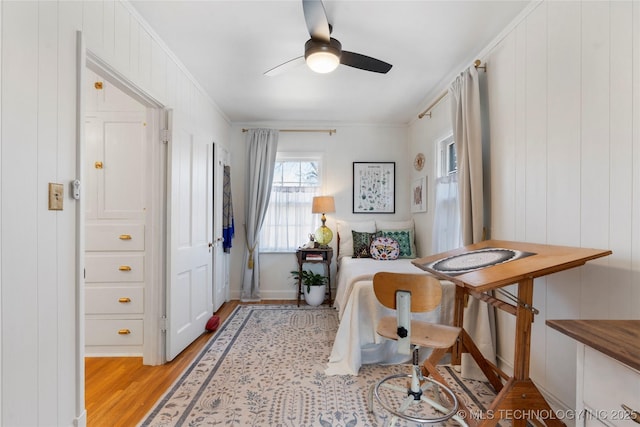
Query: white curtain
{"points": [[289, 220], [446, 221], [262, 147], [464, 93]]}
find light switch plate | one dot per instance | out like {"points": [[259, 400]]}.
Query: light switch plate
{"points": [[56, 193]]}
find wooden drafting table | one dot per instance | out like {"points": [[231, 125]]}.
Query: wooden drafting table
{"points": [[500, 263]]}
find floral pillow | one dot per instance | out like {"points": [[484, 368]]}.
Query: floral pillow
{"points": [[362, 243], [384, 248], [405, 240]]}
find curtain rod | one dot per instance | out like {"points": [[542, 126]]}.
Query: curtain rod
{"points": [[427, 112], [329, 131]]}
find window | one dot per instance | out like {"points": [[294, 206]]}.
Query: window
{"points": [[446, 220], [288, 221], [448, 161]]}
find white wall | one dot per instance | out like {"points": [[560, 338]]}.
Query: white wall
{"points": [[351, 142], [37, 260], [564, 96]]}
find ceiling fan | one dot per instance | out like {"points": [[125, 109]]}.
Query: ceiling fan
{"points": [[322, 52]]}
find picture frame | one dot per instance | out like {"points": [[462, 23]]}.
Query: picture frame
{"points": [[419, 195], [374, 187]]}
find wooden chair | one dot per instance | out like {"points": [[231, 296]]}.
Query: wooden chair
{"points": [[406, 294]]}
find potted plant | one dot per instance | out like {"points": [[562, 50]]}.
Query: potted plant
{"points": [[313, 284]]}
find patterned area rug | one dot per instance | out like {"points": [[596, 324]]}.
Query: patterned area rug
{"points": [[265, 367]]}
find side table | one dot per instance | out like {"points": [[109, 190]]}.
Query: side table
{"points": [[314, 256]]}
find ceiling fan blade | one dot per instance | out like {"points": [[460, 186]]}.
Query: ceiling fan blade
{"points": [[285, 66], [316, 19], [364, 62]]}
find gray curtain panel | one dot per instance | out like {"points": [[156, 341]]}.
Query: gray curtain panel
{"points": [[262, 146]]}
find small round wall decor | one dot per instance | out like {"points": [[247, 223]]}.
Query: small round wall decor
{"points": [[418, 162]]}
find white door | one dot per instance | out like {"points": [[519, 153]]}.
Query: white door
{"points": [[220, 258], [190, 218]]}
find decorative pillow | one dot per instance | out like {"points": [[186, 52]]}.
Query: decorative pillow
{"points": [[403, 225], [345, 247], [362, 244], [404, 239], [384, 248]]}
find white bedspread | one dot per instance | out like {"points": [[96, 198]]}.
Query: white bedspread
{"points": [[352, 270], [356, 341]]}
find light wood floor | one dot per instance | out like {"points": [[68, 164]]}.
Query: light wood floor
{"points": [[120, 391]]}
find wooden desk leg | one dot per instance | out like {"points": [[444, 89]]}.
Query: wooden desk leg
{"points": [[329, 280], [466, 344], [458, 320], [520, 399], [487, 369], [299, 280]]}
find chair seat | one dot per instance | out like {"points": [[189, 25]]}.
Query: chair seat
{"points": [[423, 334]]}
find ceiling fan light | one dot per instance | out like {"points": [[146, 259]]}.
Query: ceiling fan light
{"points": [[323, 62], [322, 57]]}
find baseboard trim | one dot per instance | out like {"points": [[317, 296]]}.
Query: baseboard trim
{"points": [[81, 420]]}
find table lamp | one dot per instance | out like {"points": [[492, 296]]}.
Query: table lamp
{"points": [[323, 205]]}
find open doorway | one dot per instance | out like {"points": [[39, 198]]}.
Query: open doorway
{"points": [[124, 190]]}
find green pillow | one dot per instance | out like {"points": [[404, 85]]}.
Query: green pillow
{"points": [[362, 243], [405, 240]]}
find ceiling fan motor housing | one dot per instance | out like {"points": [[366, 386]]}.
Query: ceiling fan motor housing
{"points": [[315, 46]]}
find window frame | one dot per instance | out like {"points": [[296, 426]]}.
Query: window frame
{"points": [[444, 147], [299, 156]]}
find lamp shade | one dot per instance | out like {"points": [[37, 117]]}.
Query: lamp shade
{"points": [[323, 204]]}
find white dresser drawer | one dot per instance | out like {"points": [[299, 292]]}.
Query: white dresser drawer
{"points": [[607, 385], [114, 268], [117, 300], [114, 237], [107, 332]]}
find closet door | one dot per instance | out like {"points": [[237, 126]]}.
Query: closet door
{"points": [[220, 258], [190, 289]]}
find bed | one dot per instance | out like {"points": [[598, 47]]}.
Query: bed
{"points": [[356, 341]]}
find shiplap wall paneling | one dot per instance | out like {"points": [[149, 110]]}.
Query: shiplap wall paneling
{"points": [[503, 133], [619, 282], [635, 203], [47, 230], [563, 113], [563, 189], [533, 77], [122, 58], [595, 152], [519, 211], [19, 148]]}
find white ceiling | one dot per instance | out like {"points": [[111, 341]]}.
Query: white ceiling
{"points": [[228, 45]]}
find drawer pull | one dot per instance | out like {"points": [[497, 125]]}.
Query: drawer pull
{"points": [[124, 332], [125, 237], [124, 300], [124, 268], [634, 415]]}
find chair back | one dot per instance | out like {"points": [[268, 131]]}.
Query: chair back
{"points": [[426, 291]]}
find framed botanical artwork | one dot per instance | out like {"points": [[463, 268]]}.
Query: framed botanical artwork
{"points": [[419, 195], [374, 187]]}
